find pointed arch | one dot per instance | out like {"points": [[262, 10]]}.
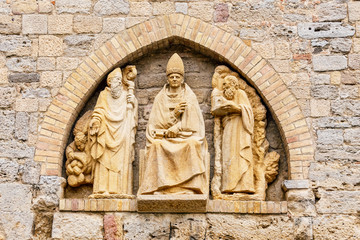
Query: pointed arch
{"points": [[154, 34]]}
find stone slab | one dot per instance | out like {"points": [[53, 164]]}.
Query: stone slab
{"points": [[172, 203], [329, 63], [295, 184], [325, 30]]}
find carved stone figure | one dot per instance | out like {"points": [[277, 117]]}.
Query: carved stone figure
{"points": [[176, 155], [78, 163], [112, 136], [243, 168]]}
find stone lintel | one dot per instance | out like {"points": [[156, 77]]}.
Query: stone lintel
{"points": [[295, 184], [172, 203]]}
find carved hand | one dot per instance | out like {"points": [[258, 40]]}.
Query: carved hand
{"points": [[172, 132], [94, 126], [130, 98], [179, 109]]}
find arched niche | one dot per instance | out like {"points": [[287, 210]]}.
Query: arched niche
{"points": [[157, 33]]}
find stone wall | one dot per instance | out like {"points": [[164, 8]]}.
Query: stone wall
{"points": [[314, 46]]}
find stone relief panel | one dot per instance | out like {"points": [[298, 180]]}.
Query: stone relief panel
{"points": [[198, 75]]}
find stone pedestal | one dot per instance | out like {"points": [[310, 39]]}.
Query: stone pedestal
{"points": [[172, 203]]}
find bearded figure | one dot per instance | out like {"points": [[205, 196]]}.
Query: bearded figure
{"points": [[112, 136]]}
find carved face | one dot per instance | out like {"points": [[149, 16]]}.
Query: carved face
{"points": [[115, 86], [175, 80], [80, 141], [229, 89]]}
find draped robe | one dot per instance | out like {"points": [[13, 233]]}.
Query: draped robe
{"points": [[113, 146], [180, 162], [237, 157]]}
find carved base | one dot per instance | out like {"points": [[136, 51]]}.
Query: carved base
{"points": [[172, 203], [240, 197], [111, 196]]}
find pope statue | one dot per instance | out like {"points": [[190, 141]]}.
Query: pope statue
{"points": [[176, 154]]}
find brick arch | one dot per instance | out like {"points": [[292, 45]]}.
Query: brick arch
{"points": [[154, 34]]}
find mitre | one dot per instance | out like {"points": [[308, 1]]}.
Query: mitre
{"points": [[115, 73], [175, 65]]}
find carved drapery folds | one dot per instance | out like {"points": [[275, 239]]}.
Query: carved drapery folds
{"points": [[243, 166]]}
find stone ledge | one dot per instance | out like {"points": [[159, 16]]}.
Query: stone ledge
{"points": [[213, 206], [295, 184]]}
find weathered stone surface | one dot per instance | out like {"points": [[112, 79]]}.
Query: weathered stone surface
{"points": [[252, 34], [8, 170], [295, 184], [341, 45], [26, 105], [330, 136], [7, 96], [7, 121], [319, 108], [66, 63], [17, 225], [21, 126], [113, 25], [303, 228], [87, 24], [15, 45], [221, 13], [10, 24], [51, 79], [140, 8], [329, 63], [301, 203], [30, 172], [319, 43], [45, 63], [265, 49], [60, 24], [77, 226], [34, 24], [45, 6], [15, 198], [162, 8], [70, 6], [354, 61], [325, 30], [282, 50], [51, 189], [346, 107], [111, 7], [352, 136], [131, 21], [356, 45], [334, 226], [341, 202], [14, 149], [349, 91], [331, 11], [50, 46], [24, 77], [3, 76], [181, 7], [320, 79], [354, 11], [78, 45], [324, 92], [17, 64], [24, 6], [202, 10]]}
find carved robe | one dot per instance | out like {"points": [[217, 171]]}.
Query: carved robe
{"points": [[237, 164], [179, 162], [113, 147]]}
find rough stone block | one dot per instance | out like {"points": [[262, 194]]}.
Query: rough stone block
{"points": [[202, 10], [252, 34], [319, 108], [295, 184], [325, 30], [330, 136], [24, 77], [265, 49], [21, 126], [301, 202], [181, 7], [356, 45], [45, 63], [3, 75], [320, 79], [350, 77], [112, 7], [66, 63], [15, 198], [10, 24], [331, 11], [282, 50], [77, 225], [354, 11], [131, 21], [163, 8], [352, 136], [15, 45], [303, 228], [281, 65], [7, 121], [70, 6], [140, 9], [50, 46], [34, 24], [172, 203], [26, 105], [349, 91], [333, 226], [60, 24], [51, 79], [30, 172], [324, 92], [8, 170], [354, 61], [36, 93], [329, 63], [341, 45], [17, 64], [24, 6], [78, 45], [346, 107], [7, 96], [17, 225], [340, 202], [113, 25], [87, 24], [221, 13], [357, 28], [45, 6]]}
